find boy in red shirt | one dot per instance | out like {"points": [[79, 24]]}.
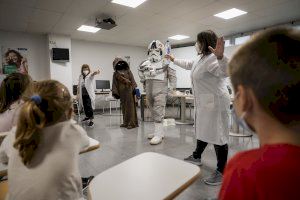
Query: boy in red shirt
{"points": [[265, 74]]}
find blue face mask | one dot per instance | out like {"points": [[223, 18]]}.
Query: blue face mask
{"points": [[241, 121]]}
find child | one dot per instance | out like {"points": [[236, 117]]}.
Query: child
{"points": [[43, 149], [265, 74], [11, 90]]}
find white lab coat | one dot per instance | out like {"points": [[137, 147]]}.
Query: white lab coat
{"points": [[211, 98], [89, 85]]}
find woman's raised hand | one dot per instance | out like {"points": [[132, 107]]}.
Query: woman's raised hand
{"points": [[96, 72], [170, 57], [219, 50]]}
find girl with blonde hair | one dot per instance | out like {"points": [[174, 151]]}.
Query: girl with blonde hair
{"points": [[43, 149]]}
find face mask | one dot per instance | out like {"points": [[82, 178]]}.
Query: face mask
{"points": [[86, 72], [241, 120], [197, 47]]}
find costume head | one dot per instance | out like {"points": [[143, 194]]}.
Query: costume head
{"points": [[156, 51], [120, 64]]}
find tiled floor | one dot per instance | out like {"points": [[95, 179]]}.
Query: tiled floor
{"points": [[118, 145]]}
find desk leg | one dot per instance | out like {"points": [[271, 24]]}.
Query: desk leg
{"points": [[183, 120], [182, 108]]}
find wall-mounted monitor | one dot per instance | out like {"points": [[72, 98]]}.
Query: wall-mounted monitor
{"points": [[60, 54]]}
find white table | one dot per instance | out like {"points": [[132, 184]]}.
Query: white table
{"points": [[148, 176], [94, 144]]}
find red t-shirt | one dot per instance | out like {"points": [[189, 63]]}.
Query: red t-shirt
{"points": [[270, 172]]}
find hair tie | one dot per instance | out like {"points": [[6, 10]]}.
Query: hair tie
{"points": [[37, 99]]}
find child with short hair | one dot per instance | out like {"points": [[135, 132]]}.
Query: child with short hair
{"points": [[43, 149], [265, 74]]}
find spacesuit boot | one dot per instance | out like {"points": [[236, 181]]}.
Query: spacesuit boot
{"points": [[158, 134]]}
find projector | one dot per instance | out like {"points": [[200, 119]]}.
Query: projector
{"points": [[106, 24]]}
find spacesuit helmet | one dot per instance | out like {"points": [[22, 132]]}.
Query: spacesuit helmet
{"points": [[156, 51]]}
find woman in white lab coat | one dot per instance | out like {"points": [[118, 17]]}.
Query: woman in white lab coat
{"points": [[212, 100], [86, 93]]}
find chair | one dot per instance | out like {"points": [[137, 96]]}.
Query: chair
{"points": [[112, 101], [76, 108]]}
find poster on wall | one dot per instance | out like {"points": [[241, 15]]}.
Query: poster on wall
{"points": [[14, 60]]}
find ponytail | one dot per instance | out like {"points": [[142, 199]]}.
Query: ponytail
{"points": [[45, 104], [31, 121]]}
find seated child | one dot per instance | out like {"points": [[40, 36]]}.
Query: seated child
{"points": [[11, 90], [42, 151]]}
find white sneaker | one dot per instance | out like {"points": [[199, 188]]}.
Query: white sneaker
{"points": [[150, 136], [156, 140]]}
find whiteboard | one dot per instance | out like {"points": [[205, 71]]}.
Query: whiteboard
{"points": [[189, 53]]}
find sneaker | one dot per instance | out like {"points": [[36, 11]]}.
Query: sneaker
{"points": [[214, 179], [156, 140], [91, 124], [86, 181], [195, 161], [85, 119], [150, 136]]}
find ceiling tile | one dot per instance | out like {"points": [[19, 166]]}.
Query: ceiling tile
{"points": [[281, 8], [68, 23], [53, 5], [38, 28], [250, 6], [206, 12], [19, 17], [20, 3], [86, 8], [47, 18]]}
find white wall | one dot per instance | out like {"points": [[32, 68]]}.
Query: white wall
{"points": [[183, 76], [60, 71], [189, 53], [37, 51], [101, 55]]}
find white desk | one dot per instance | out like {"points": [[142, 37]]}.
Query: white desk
{"points": [[148, 176], [94, 144]]}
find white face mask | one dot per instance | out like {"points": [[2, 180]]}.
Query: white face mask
{"points": [[197, 47], [86, 72]]}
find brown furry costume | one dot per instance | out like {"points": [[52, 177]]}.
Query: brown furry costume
{"points": [[123, 88]]}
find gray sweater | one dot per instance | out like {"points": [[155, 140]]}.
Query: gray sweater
{"points": [[53, 172]]}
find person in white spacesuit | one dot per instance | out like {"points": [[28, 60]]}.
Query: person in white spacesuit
{"points": [[155, 74]]}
